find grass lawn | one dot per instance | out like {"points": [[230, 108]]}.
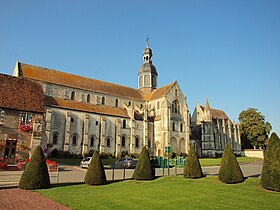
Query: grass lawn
{"points": [[166, 193], [217, 161]]}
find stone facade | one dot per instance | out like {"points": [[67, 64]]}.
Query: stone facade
{"points": [[211, 130], [83, 114]]}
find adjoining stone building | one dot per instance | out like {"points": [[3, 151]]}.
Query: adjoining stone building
{"points": [[211, 130], [83, 114], [21, 117]]}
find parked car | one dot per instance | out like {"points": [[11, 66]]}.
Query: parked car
{"points": [[125, 163], [85, 162]]}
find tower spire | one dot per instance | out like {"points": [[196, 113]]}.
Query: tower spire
{"points": [[147, 42], [207, 106]]}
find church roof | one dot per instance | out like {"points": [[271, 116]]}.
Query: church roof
{"points": [[85, 107], [75, 81], [70, 80], [217, 114], [20, 94], [159, 92]]}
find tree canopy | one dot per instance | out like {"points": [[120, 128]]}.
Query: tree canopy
{"points": [[253, 128]]}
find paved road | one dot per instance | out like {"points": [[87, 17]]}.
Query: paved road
{"points": [[73, 174]]}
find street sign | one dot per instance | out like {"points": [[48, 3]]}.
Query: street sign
{"points": [[168, 149]]}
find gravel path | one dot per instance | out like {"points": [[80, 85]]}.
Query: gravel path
{"points": [[26, 200]]}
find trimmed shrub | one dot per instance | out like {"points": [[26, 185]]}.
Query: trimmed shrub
{"points": [[230, 171], [95, 174], [35, 175], [270, 178], [192, 168], [143, 170]]}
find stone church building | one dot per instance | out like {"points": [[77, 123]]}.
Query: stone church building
{"points": [[83, 114], [212, 130]]}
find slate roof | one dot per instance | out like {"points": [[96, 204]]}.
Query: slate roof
{"points": [[85, 107], [21, 94]]}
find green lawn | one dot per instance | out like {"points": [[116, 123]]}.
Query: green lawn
{"points": [[166, 193], [217, 161]]}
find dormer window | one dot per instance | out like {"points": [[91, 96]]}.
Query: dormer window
{"points": [[117, 103]]}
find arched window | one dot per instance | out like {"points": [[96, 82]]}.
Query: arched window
{"points": [[129, 103], [173, 126], [108, 141], [181, 127], [141, 106], [147, 80], [55, 138], [137, 142], [103, 100], [117, 103], [175, 107], [124, 123], [74, 140], [176, 92], [123, 141], [73, 95], [158, 105], [141, 81], [91, 143], [88, 98]]}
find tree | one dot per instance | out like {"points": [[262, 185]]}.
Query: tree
{"points": [[95, 174], [230, 171], [253, 128], [192, 168], [143, 170], [270, 178], [35, 175]]}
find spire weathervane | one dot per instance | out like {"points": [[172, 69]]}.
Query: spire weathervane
{"points": [[147, 42]]}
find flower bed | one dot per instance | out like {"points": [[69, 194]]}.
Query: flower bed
{"points": [[3, 165]]}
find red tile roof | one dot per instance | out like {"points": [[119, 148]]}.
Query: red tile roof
{"points": [[75, 81], [159, 92], [20, 94], [85, 107]]}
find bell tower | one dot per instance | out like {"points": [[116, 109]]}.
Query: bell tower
{"points": [[147, 75]]}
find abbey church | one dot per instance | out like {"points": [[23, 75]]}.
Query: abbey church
{"points": [[82, 114]]}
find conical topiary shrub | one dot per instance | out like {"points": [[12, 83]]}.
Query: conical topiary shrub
{"points": [[35, 175], [192, 168], [230, 171], [95, 174], [270, 178], [143, 170]]}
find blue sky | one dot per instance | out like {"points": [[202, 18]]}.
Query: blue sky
{"points": [[228, 51]]}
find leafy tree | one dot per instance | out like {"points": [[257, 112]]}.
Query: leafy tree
{"points": [[143, 170], [253, 128], [230, 171], [270, 178], [95, 174], [35, 175], [192, 168]]}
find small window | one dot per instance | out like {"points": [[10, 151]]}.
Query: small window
{"points": [[173, 126], [72, 119], [123, 141], [26, 118], [158, 105], [181, 127], [141, 106], [108, 142], [176, 92], [73, 95], [96, 123], [117, 103], [88, 98], [103, 100], [91, 141], [137, 142], [74, 140], [55, 138], [129, 103], [124, 123]]}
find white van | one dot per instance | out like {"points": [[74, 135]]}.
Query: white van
{"points": [[85, 162]]}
